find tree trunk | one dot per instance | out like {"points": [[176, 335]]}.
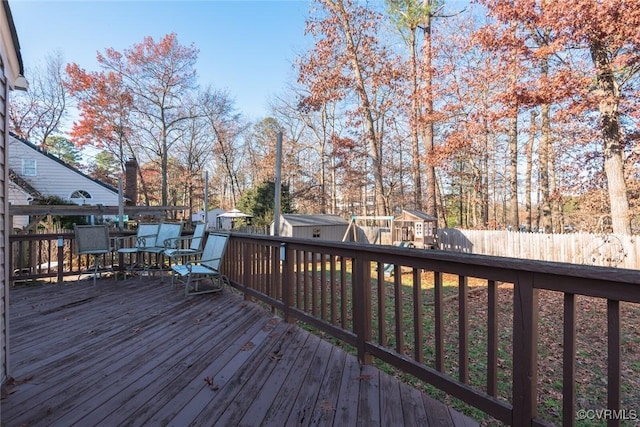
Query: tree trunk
{"points": [[544, 153], [372, 137], [529, 165], [609, 92], [513, 219], [415, 120]]}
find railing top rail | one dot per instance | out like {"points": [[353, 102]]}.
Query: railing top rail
{"points": [[581, 279]]}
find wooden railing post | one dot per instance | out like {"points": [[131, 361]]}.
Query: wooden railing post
{"points": [[362, 307], [525, 351], [60, 259], [287, 257]]}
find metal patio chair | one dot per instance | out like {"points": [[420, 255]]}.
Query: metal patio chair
{"points": [[206, 267], [93, 241], [166, 238]]}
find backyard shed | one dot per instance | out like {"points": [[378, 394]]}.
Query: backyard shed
{"points": [[321, 226], [415, 228]]}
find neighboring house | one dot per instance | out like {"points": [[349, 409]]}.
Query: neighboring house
{"points": [[321, 226], [33, 169], [11, 77]]}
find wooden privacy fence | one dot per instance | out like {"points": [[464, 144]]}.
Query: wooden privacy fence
{"points": [[607, 250], [413, 310]]}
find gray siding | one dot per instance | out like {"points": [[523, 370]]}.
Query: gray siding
{"points": [[4, 221]]}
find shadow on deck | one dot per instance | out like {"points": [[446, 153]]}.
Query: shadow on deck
{"points": [[136, 352]]}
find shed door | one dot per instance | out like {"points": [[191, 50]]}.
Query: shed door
{"points": [[419, 231]]}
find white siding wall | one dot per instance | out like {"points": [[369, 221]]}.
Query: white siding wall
{"points": [[56, 179], [18, 197]]}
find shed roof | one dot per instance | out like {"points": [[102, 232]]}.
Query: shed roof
{"points": [[419, 214], [303, 220]]}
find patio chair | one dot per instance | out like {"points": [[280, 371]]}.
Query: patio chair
{"points": [[93, 241], [207, 267], [145, 236], [166, 238], [179, 250]]}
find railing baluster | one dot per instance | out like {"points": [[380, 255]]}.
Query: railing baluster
{"points": [[334, 291], [418, 328], [463, 329], [306, 281], [569, 361], [299, 279], [438, 321], [382, 318], [343, 292], [246, 271], [492, 338], [613, 368], [397, 293], [323, 288], [314, 284]]}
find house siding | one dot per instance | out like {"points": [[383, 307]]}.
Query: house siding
{"points": [[10, 69], [56, 179], [17, 196], [4, 221]]}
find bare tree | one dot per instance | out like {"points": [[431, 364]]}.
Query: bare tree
{"points": [[39, 112]]}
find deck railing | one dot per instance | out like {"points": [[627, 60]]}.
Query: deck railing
{"points": [[440, 317], [54, 256], [415, 310]]}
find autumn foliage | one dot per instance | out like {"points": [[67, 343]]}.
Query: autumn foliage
{"points": [[501, 113]]}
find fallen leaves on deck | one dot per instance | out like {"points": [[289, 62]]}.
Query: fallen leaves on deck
{"points": [[212, 385], [9, 386], [248, 346]]}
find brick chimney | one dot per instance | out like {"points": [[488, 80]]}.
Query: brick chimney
{"points": [[131, 182]]}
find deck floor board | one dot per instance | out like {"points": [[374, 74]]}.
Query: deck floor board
{"points": [[138, 353]]}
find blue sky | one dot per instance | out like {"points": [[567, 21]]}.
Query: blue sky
{"points": [[246, 47]]}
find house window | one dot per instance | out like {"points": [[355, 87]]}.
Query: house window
{"points": [[29, 167], [80, 194], [316, 233]]}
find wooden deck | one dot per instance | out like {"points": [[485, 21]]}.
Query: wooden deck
{"points": [[136, 352]]}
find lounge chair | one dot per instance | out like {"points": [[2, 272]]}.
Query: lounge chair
{"points": [[93, 241], [206, 267]]}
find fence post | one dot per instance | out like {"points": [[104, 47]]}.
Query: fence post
{"points": [[525, 350], [361, 297], [60, 259]]}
